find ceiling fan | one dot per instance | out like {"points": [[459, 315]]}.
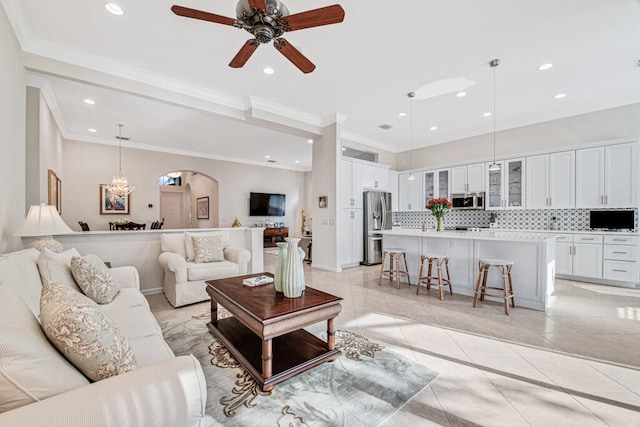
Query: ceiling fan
{"points": [[268, 20]]}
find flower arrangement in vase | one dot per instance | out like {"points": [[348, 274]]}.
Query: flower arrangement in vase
{"points": [[439, 207]]}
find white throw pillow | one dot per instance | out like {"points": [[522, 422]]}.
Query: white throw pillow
{"points": [[173, 242], [56, 267], [208, 248], [94, 279], [31, 369], [85, 335], [188, 242]]}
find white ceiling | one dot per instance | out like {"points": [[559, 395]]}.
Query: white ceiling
{"points": [[365, 67]]}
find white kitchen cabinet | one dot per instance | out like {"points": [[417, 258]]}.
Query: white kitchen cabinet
{"points": [[375, 177], [606, 176], [436, 185], [351, 237], [620, 258], [410, 192], [564, 254], [505, 187], [350, 187], [550, 181], [587, 255], [393, 189], [468, 178]]}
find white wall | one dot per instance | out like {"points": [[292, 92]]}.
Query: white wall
{"points": [[327, 152], [87, 165], [202, 186], [12, 142], [605, 125]]}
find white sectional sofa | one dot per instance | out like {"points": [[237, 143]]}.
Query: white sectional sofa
{"points": [[184, 279], [38, 386]]}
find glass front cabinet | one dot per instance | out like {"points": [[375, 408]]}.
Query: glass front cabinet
{"points": [[436, 185], [505, 187]]}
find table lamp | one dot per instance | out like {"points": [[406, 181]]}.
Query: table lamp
{"points": [[42, 222]]}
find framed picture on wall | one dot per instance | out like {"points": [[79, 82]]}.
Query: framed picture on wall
{"points": [[110, 204], [202, 207], [52, 182], [59, 195], [322, 202]]}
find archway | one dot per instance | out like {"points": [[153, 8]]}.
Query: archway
{"points": [[181, 193]]}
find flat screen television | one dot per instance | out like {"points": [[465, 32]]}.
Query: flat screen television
{"points": [[265, 204], [612, 220]]}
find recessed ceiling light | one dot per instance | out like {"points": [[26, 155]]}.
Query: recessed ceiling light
{"points": [[560, 96], [310, 141], [297, 161], [487, 114], [92, 130], [268, 71], [89, 101], [267, 157], [461, 94], [114, 9], [544, 67], [402, 114], [433, 128]]}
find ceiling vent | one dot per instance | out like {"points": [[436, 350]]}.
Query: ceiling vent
{"points": [[122, 138], [385, 126]]}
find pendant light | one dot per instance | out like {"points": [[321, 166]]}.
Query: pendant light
{"points": [[411, 95], [119, 186], [493, 167]]}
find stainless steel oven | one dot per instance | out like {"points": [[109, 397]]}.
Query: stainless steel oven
{"points": [[468, 201]]}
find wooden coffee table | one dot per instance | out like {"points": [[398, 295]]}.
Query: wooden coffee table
{"points": [[265, 334]]}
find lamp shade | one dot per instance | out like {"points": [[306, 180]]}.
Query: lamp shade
{"points": [[42, 220]]}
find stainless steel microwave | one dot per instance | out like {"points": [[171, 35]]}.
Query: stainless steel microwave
{"points": [[468, 201]]}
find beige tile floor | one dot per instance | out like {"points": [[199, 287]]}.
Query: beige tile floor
{"points": [[576, 364]]}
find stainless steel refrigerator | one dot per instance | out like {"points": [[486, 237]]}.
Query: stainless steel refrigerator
{"points": [[377, 216]]}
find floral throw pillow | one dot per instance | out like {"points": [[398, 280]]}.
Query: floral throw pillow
{"points": [[87, 337], [208, 249], [92, 276]]}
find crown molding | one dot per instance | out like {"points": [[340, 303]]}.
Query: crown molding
{"points": [[179, 151], [15, 14]]}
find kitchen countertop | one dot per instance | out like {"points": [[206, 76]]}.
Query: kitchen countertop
{"points": [[613, 233], [484, 234]]}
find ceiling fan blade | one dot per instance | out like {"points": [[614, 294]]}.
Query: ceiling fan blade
{"points": [[294, 55], [313, 18], [203, 16], [258, 4], [244, 54]]}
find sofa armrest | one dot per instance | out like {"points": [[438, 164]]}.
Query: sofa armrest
{"points": [[169, 393], [127, 276], [175, 264], [240, 256]]}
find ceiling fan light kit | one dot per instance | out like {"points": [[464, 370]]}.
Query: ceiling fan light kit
{"points": [[268, 20]]}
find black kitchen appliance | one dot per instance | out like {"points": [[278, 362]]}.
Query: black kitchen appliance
{"points": [[617, 220]]}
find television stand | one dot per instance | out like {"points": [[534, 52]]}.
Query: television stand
{"points": [[273, 235]]}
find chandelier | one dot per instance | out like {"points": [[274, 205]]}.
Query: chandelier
{"points": [[119, 186]]}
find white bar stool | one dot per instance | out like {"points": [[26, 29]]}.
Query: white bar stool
{"points": [[504, 266], [430, 280], [394, 272]]}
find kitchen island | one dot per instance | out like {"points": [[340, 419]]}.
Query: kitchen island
{"points": [[533, 255]]}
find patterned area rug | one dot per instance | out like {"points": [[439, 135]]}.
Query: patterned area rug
{"points": [[363, 387]]}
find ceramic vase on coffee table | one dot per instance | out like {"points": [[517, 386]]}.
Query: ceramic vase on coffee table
{"points": [[293, 270]]}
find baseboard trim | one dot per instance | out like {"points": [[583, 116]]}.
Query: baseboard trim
{"points": [[325, 267], [151, 291]]}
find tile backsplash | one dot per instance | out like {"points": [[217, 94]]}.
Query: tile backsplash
{"points": [[527, 219]]}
